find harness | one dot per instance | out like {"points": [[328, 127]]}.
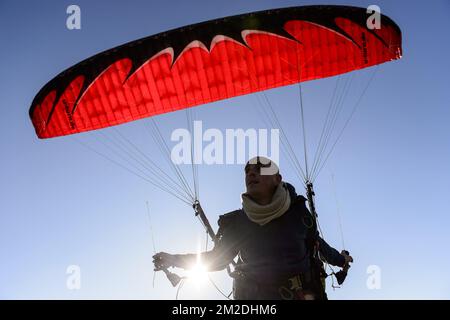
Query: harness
{"points": [[302, 286]]}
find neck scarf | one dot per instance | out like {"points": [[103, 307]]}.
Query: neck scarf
{"points": [[262, 214]]}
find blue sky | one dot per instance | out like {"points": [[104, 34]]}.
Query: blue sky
{"points": [[62, 204]]}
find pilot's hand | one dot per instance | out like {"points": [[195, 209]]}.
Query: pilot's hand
{"points": [[348, 258], [163, 260]]}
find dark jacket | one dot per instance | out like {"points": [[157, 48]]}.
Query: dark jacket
{"points": [[271, 253]]}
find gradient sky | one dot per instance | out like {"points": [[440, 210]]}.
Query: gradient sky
{"points": [[62, 204]]}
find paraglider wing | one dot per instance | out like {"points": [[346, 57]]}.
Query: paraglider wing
{"points": [[211, 61]]}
